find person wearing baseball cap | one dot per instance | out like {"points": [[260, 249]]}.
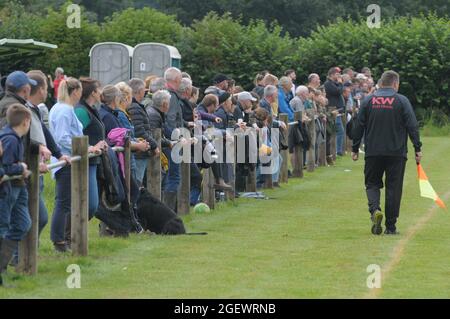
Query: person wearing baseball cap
{"points": [[18, 87], [220, 85], [17, 90]]}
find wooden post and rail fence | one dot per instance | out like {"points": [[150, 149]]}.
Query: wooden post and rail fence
{"points": [[28, 247]]}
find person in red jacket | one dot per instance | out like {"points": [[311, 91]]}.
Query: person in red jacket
{"points": [[59, 76]]}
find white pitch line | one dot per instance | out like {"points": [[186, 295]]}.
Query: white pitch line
{"points": [[399, 249]]}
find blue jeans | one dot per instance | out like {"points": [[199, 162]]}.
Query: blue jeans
{"points": [[277, 168], [15, 221], [173, 177], [63, 198], [260, 179], [141, 167], [340, 135]]}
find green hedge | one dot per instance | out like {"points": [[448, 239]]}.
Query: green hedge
{"points": [[417, 48]]}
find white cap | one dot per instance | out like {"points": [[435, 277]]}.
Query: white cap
{"points": [[243, 96]]}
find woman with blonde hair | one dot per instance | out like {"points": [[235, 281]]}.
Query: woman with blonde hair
{"points": [[125, 99], [64, 125]]}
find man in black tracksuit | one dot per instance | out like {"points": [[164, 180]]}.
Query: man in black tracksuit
{"points": [[385, 119]]}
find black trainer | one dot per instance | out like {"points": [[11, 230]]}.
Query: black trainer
{"points": [[391, 232], [377, 218]]}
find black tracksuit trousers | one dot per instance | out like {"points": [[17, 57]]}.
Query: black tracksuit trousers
{"points": [[394, 168]]}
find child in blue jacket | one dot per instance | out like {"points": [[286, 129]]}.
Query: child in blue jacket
{"points": [[15, 221]]}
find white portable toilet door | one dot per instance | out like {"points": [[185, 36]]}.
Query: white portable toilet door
{"points": [[150, 60]]}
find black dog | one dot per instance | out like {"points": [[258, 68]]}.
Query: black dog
{"points": [[157, 217]]}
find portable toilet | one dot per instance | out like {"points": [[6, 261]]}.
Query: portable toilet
{"points": [[111, 62], [154, 59]]}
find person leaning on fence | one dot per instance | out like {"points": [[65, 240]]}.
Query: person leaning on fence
{"points": [[185, 92], [174, 120], [244, 105], [205, 111], [18, 87], [94, 129], [284, 93], [125, 100], [114, 117], [142, 129], [225, 112], [64, 126], [15, 221], [38, 95], [263, 144], [157, 117]]}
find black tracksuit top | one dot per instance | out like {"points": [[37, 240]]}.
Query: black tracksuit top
{"points": [[385, 119]]}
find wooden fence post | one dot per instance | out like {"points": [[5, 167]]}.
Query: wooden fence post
{"points": [[208, 191], [28, 247], [80, 197], [284, 153], [251, 180], [323, 148], [298, 151], [230, 195], [154, 168], [311, 154], [185, 189], [268, 181]]}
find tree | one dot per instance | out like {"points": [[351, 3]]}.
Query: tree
{"points": [[133, 26], [16, 22], [299, 17], [73, 43]]}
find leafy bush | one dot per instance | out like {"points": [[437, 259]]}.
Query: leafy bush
{"points": [[439, 118]]}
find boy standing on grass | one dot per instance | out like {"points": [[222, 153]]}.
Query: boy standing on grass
{"points": [[15, 221]]}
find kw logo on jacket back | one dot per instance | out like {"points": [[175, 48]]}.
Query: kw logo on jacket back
{"points": [[383, 103]]}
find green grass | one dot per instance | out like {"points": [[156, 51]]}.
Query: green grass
{"points": [[430, 130], [311, 240]]}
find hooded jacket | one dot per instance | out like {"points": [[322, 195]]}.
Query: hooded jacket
{"points": [[12, 154]]}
